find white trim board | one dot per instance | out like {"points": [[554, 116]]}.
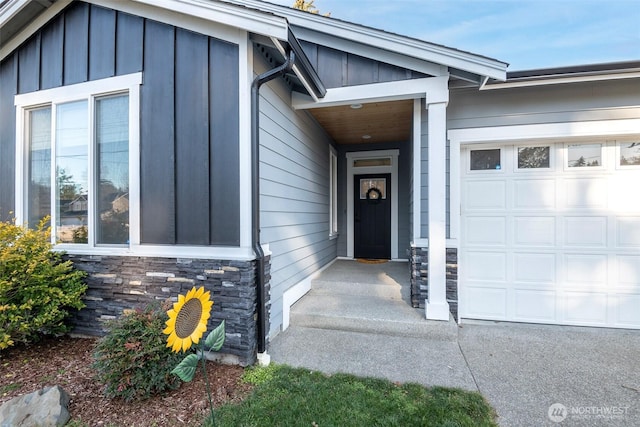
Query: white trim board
{"points": [[208, 18], [351, 172], [33, 27], [297, 291], [435, 89]]}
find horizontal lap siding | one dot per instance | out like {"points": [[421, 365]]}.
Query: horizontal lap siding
{"points": [[294, 187], [605, 100], [189, 134]]}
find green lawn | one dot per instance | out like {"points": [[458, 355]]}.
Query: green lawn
{"points": [[285, 396]]}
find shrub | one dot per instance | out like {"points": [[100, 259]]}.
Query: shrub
{"points": [[37, 288], [133, 360]]}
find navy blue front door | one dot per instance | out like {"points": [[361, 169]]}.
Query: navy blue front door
{"points": [[372, 216]]}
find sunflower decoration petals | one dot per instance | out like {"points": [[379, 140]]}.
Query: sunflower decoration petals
{"points": [[188, 319]]}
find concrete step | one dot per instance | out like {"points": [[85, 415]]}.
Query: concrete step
{"points": [[381, 290], [368, 314]]}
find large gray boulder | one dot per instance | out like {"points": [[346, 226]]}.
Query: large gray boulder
{"points": [[47, 407]]}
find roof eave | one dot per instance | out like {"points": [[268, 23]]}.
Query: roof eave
{"points": [[469, 62], [559, 76]]}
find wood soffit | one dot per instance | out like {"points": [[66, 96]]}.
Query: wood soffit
{"points": [[382, 121]]}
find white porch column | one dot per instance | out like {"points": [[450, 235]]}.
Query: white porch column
{"points": [[437, 307]]}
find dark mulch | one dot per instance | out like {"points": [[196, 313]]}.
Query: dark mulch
{"points": [[67, 362]]}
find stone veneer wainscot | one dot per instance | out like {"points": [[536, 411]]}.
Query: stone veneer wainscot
{"points": [[420, 283], [118, 283]]}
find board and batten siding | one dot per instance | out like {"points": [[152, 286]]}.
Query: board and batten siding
{"points": [[294, 191], [559, 103], [338, 68], [189, 131]]}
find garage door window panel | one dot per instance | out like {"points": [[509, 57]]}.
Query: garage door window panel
{"points": [[629, 154], [485, 159], [584, 156], [528, 158]]}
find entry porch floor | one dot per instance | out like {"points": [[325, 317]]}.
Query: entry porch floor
{"points": [[366, 297], [357, 318]]}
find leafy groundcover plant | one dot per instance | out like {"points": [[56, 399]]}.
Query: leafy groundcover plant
{"points": [[132, 360], [38, 289]]}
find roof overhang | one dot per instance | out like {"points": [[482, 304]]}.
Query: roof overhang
{"points": [[20, 19], [565, 75], [418, 55]]}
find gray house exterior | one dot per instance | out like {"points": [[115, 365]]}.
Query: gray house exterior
{"points": [[501, 190]]}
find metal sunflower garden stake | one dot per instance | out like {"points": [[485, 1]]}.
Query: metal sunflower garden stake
{"points": [[187, 323]]}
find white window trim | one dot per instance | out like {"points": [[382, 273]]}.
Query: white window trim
{"points": [[333, 193], [129, 83]]}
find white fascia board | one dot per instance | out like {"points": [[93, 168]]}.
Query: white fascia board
{"points": [[545, 81], [295, 68], [11, 9], [386, 41], [30, 29], [197, 15], [435, 89]]}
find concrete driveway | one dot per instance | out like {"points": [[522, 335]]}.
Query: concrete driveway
{"points": [[533, 375], [539, 375]]}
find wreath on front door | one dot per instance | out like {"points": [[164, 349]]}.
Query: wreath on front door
{"points": [[374, 195]]}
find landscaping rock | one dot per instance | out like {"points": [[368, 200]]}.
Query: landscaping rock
{"points": [[43, 408]]}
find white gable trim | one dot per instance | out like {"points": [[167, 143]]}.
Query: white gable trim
{"points": [[30, 29], [213, 19], [216, 19], [386, 41]]}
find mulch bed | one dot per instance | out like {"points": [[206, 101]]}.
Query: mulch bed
{"points": [[67, 362]]}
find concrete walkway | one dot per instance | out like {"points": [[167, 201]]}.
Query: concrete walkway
{"points": [[357, 319]]}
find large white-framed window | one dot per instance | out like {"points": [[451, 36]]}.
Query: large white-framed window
{"points": [[77, 148], [333, 193]]}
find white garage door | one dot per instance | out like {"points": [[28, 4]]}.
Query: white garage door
{"points": [[551, 233]]}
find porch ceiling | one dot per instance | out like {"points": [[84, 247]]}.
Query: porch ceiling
{"points": [[382, 121]]}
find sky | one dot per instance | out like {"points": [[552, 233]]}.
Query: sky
{"points": [[526, 34]]}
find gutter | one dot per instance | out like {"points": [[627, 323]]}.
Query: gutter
{"points": [[255, 191]]}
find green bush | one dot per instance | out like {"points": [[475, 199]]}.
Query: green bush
{"points": [[133, 360], [37, 288]]}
